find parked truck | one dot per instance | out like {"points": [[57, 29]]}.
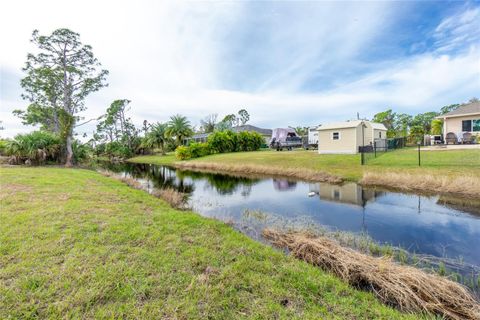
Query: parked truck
{"points": [[285, 138]]}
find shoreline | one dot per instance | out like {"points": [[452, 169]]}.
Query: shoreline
{"points": [[398, 179]]}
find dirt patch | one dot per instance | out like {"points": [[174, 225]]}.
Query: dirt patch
{"points": [[407, 288], [9, 189]]}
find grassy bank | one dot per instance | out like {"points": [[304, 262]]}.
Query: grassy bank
{"points": [[452, 171], [75, 244]]}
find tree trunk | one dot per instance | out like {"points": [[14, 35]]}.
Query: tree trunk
{"points": [[69, 160]]}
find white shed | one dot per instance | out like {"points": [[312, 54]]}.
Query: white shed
{"points": [[348, 136]]}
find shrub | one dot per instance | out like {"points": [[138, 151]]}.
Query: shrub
{"points": [[81, 151], [37, 147], [222, 141], [249, 141], [117, 149], [199, 149], [183, 153]]}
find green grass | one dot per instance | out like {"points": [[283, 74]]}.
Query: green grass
{"points": [[451, 162], [75, 244], [167, 159]]}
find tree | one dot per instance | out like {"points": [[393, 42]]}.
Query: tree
{"points": [[157, 137], [57, 81], [230, 120], [208, 124], [403, 122], [436, 126], [243, 116], [116, 126], [424, 120], [474, 99], [179, 128], [388, 119]]}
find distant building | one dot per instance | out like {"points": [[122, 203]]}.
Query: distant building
{"points": [[198, 137], [348, 136], [465, 119]]}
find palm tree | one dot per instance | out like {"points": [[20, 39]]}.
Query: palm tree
{"points": [[436, 126], [157, 136], [179, 128]]}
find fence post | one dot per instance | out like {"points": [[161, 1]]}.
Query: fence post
{"points": [[419, 163], [375, 148]]}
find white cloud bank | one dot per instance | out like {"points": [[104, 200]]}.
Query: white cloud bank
{"points": [[173, 57]]}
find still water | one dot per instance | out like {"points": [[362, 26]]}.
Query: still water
{"points": [[427, 225]]}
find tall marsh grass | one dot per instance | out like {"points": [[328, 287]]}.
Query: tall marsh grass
{"points": [[465, 185]]}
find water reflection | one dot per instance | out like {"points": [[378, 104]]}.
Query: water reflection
{"points": [[350, 193], [437, 226], [284, 185]]}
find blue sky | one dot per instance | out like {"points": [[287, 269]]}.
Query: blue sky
{"points": [[287, 63]]}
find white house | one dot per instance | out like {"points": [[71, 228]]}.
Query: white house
{"points": [[348, 136]]}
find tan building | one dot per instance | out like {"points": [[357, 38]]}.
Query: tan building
{"points": [[464, 119], [348, 136]]}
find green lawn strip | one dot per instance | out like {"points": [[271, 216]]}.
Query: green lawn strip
{"points": [[167, 159], [75, 244], [348, 167]]}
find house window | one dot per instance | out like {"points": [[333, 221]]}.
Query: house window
{"points": [[476, 125], [467, 125], [336, 136], [336, 194], [380, 134]]}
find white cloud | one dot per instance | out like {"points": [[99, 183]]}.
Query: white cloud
{"points": [[178, 57], [459, 30]]}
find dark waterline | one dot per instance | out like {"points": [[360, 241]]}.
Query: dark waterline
{"points": [[428, 225]]}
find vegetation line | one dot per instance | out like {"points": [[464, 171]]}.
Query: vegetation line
{"points": [[305, 174], [407, 288], [462, 184]]}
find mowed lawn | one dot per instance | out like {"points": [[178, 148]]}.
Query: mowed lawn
{"points": [[448, 162], [76, 244]]}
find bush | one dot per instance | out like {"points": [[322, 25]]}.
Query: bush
{"points": [[81, 151], [198, 150], [118, 150], [37, 147], [249, 141], [183, 153], [222, 141]]}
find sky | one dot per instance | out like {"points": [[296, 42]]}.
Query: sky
{"points": [[287, 63]]}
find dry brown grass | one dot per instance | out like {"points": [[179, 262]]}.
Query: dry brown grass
{"points": [[465, 185], [407, 288], [247, 169], [173, 197]]}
